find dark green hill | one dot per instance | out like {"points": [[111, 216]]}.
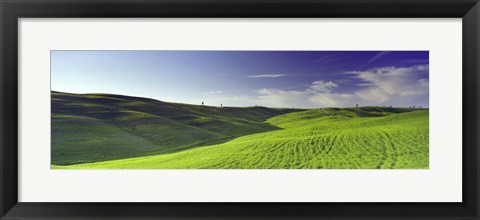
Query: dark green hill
{"points": [[99, 127]]}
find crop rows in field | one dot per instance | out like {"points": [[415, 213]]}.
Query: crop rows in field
{"points": [[340, 139]]}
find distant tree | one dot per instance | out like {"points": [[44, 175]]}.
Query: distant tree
{"points": [[390, 106], [356, 105], [202, 103], [221, 105]]}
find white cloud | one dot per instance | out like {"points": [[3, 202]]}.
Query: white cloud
{"points": [[280, 98], [387, 82], [230, 101], [396, 86], [212, 92], [308, 98], [320, 86], [332, 99], [267, 76]]}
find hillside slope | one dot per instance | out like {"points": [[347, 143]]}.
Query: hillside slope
{"points": [[99, 127], [363, 138]]}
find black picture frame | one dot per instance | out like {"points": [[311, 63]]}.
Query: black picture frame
{"points": [[12, 10]]}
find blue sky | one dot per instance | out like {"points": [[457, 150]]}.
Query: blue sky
{"points": [[300, 79]]}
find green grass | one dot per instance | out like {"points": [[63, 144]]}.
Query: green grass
{"points": [[333, 138], [100, 127]]}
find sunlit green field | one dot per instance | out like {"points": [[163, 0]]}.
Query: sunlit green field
{"points": [[148, 134]]}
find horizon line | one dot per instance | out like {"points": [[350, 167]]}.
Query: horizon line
{"points": [[223, 106]]}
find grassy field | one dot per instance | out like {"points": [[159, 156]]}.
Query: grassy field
{"points": [[119, 132], [100, 127]]}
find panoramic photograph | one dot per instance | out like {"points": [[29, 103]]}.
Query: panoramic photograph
{"points": [[180, 109]]}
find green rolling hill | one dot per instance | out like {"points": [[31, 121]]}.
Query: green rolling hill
{"points": [[99, 127], [97, 131]]}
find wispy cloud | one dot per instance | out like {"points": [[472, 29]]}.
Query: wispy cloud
{"points": [[377, 56], [329, 58], [267, 76]]}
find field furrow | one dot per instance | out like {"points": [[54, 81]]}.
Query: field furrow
{"points": [[329, 142]]}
